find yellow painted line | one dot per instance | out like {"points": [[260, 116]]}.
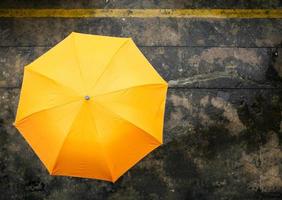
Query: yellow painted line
{"points": [[144, 13]]}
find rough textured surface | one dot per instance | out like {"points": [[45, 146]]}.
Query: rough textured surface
{"points": [[147, 32], [142, 4], [223, 121]]}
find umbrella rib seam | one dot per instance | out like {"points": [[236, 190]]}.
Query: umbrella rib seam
{"points": [[122, 118], [102, 147], [108, 64], [78, 63], [43, 110], [49, 78], [63, 143], [136, 86]]}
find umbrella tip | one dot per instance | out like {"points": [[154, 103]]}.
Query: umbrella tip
{"points": [[87, 97]]}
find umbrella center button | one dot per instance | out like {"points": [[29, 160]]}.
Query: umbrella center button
{"points": [[86, 97]]}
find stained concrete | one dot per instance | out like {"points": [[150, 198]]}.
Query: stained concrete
{"points": [[223, 120], [147, 32], [142, 4]]}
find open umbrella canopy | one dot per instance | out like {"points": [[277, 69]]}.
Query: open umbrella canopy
{"points": [[92, 107]]}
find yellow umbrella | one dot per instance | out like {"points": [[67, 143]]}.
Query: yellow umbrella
{"points": [[91, 107]]}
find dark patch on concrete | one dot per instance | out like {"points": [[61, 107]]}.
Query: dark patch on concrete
{"points": [[274, 71], [216, 114], [154, 188], [212, 141], [260, 117], [177, 164]]}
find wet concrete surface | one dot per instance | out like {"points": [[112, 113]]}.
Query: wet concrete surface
{"points": [[143, 4], [223, 120]]}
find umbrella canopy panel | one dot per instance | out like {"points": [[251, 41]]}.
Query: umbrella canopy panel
{"points": [[92, 106]]}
